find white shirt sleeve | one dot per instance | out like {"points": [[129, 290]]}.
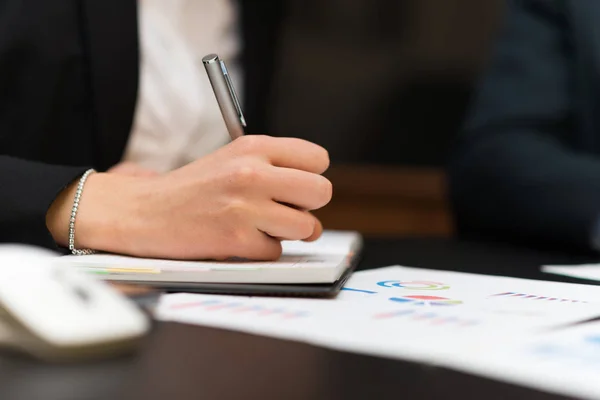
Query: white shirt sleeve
{"points": [[177, 118]]}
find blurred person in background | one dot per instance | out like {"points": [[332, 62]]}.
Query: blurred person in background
{"points": [[75, 94], [527, 169]]}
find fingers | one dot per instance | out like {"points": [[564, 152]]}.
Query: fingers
{"points": [[304, 190], [299, 154], [260, 247], [316, 233], [285, 223], [300, 189], [285, 152], [291, 173], [282, 223]]}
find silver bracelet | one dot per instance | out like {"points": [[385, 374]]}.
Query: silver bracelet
{"points": [[78, 252]]}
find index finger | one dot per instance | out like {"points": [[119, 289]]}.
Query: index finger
{"points": [[287, 152]]}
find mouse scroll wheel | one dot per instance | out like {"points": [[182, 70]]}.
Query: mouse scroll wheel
{"points": [[82, 294]]}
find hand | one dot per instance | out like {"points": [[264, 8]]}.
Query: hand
{"points": [[239, 201], [131, 169]]}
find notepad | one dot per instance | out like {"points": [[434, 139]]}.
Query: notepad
{"points": [[321, 262]]}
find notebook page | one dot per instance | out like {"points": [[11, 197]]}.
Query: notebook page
{"points": [[332, 242], [320, 261]]}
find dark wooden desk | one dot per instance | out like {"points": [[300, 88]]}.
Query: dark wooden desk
{"points": [[180, 362]]}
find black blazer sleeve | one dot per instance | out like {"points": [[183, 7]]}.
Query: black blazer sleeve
{"points": [[513, 176], [28, 189], [41, 98], [68, 87]]}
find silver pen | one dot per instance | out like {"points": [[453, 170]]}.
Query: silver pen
{"points": [[225, 94]]}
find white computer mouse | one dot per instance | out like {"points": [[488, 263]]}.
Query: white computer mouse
{"points": [[58, 312]]}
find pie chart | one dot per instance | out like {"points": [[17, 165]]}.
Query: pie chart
{"points": [[426, 300], [414, 285]]}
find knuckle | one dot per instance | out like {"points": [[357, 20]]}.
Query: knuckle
{"points": [[245, 175], [250, 144], [234, 225], [236, 212], [238, 217], [239, 238]]}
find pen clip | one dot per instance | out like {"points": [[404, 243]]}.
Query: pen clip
{"points": [[234, 97]]}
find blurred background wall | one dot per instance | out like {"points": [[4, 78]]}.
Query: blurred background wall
{"points": [[384, 86]]}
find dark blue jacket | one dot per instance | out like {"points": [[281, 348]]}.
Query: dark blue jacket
{"points": [[528, 166]]}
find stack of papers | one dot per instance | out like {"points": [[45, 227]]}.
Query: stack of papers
{"points": [[516, 330], [585, 271]]}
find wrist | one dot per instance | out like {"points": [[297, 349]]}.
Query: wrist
{"points": [[107, 213], [59, 213], [106, 208]]}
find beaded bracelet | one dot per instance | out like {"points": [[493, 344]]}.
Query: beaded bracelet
{"points": [[78, 252]]}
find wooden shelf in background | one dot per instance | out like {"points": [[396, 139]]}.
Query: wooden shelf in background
{"points": [[388, 201]]}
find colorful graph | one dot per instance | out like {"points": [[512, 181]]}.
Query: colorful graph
{"points": [[426, 300], [414, 285], [430, 318], [241, 308], [526, 296], [594, 339], [586, 352]]}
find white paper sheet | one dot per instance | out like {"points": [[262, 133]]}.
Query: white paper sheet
{"points": [[470, 316], [566, 361], [468, 289], [585, 271]]}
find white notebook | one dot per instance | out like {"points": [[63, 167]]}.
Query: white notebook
{"points": [[322, 261]]}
